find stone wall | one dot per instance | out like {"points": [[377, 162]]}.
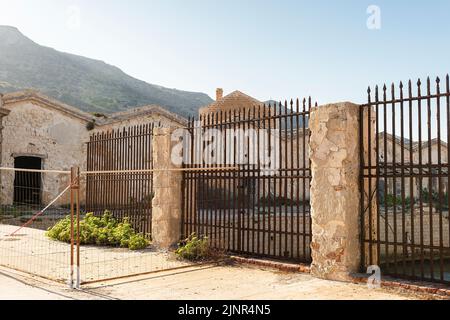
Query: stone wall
{"points": [[152, 118], [37, 127], [167, 202], [334, 150], [57, 138]]}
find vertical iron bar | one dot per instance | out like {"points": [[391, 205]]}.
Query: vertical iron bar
{"points": [[419, 102], [430, 177], [394, 176], [378, 173], [386, 184], [402, 163], [369, 162], [439, 160], [411, 180]]}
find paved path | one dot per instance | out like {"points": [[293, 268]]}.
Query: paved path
{"points": [[13, 287], [209, 282]]}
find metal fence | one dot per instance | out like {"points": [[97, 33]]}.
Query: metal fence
{"points": [[32, 201], [405, 175], [120, 180], [249, 209]]}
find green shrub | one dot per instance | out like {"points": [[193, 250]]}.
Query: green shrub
{"points": [[101, 231], [137, 242], [392, 201], [194, 248]]}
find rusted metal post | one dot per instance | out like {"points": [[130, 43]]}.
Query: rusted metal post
{"points": [[76, 187], [72, 212]]}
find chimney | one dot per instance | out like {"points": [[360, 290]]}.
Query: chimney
{"points": [[219, 94]]}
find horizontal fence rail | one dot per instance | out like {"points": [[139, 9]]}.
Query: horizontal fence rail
{"points": [[251, 209], [405, 174]]}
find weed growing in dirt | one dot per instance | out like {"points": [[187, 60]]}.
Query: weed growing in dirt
{"points": [[194, 248], [102, 231]]}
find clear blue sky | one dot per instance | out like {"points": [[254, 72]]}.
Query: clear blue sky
{"points": [[268, 49]]}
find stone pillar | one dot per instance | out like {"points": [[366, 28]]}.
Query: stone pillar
{"points": [[335, 194], [3, 113], [167, 187]]}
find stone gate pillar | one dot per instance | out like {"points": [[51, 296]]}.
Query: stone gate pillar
{"points": [[335, 194], [3, 113], [167, 200]]}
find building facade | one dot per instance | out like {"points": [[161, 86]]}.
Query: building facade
{"points": [[412, 153], [38, 132], [292, 154]]}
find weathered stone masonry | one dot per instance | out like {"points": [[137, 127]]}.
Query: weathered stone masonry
{"points": [[335, 193], [34, 125], [167, 200], [3, 113]]}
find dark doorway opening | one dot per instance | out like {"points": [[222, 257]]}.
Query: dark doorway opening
{"points": [[27, 185]]}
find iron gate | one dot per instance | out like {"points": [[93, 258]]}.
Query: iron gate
{"points": [[405, 171], [243, 207], [117, 180]]}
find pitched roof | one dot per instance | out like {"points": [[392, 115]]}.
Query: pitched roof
{"points": [[408, 143], [398, 140], [426, 143], [42, 100], [141, 112], [234, 100]]}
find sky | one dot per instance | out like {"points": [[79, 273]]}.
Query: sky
{"points": [[330, 50]]}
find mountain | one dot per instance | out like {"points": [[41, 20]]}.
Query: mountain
{"points": [[286, 121], [88, 84]]}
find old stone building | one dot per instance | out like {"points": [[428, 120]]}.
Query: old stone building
{"points": [[38, 132], [293, 151], [232, 102], [420, 154]]}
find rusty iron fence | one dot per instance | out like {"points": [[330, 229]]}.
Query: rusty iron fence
{"points": [[120, 179], [405, 175], [248, 209]]}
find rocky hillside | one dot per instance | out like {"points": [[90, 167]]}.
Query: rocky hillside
{"points": [[88, 84]]}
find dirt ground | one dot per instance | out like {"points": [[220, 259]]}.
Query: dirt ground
{"points": [[209, 282], [32, 252]]}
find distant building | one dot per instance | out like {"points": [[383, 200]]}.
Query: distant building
{"points": [[240, 107], [38, 132], [403, 151], [232, 102]]}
